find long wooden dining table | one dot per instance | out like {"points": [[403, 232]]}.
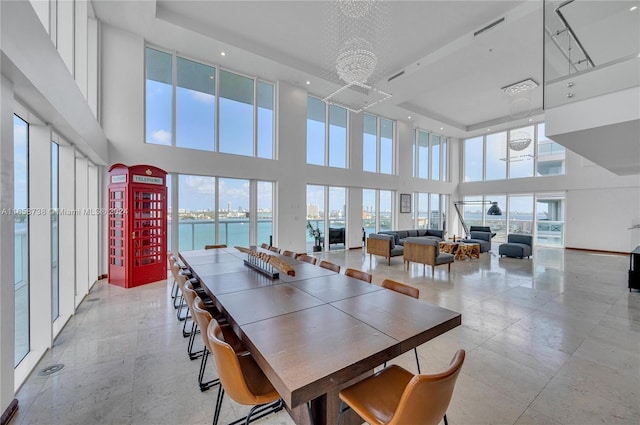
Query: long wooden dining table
{"points": [[317, 332]]}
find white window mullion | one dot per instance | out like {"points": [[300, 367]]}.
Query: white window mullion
{"points": [[174, 82]]}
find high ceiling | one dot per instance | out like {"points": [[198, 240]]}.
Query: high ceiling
{"points": [[452, 79]]}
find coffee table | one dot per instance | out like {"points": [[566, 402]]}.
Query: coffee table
{"points": [[468, 250], [449, 247]]}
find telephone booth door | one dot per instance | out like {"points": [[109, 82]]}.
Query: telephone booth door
{"points": [[148, 243]]}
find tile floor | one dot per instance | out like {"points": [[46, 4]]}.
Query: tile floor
{"points": [[551, 340]]}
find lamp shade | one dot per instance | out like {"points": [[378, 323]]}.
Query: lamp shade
{"points": [[494, 209]]}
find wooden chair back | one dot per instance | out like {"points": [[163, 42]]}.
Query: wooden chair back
{"points": [[307, 259], [401, 288], [329, 266], [357, 274]]}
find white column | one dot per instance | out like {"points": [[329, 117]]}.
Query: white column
{"points": [[66, 223], [92, 218], [40, 293], [7, 289], [82, 230]]}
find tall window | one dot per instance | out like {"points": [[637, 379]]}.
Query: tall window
{"points": [[21, 236], [498, 223], [435, 157], [195, 105], [550, 219], [521, 214], [378, 142], [423, 211], [431, 211], [159, 97], [233, 211], [236, 114], [369, 143], [551, 155], [209, 103], [496, 168], [265, 213], [337, 137], [316, 119], [55, 273], [369, 211], [521, 161], [327, 134], [377, 210], [422, 154], [196, 206], [337, 217], [265, 120], [473, 159], [386, 209], [315, 212]]}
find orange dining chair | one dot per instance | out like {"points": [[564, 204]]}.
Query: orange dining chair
{"points": [[289, 253], [215, 246], [274, 249], [264, 246], [329, 266], [241, 378], [357, 274], [395, 396], [405, 290], [307, 259], [202, 316]]}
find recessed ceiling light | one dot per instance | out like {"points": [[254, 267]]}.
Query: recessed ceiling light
{"points": [[488, 129], [223, 53], [409, 117], [441, 128], [530, 119], [633, 8], [308, 82]]}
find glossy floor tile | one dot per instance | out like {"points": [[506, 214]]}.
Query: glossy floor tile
{"points": [[550, 340]]}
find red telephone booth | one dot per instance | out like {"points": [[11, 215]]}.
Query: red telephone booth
{"points": [[137, 225]]}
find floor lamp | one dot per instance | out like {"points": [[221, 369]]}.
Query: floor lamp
{"points": [[494, 209]]}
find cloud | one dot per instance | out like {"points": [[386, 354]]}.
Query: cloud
{"points": [[161, 136], [200, 184], [202, 97]]}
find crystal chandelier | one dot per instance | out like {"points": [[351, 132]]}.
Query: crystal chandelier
{"points": [[355, 8], [519, 141], [356, 62], [520, 97]]}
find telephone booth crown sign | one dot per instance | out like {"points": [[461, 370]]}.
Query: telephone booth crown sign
{"points": [[137, 225]]}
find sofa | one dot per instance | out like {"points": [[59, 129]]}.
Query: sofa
{"points": [[481, 238], [383, 245], [425, 251], [481, 235], [401, 235], [336, 235], [517, 246]]}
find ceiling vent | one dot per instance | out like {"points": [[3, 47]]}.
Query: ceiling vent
{"points": [[488, 27]]}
